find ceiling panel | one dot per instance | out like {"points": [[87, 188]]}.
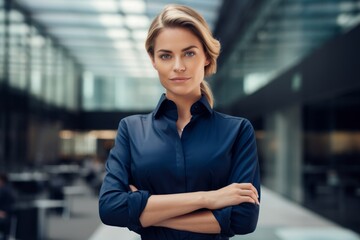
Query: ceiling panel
{"points": [[107, 37]]}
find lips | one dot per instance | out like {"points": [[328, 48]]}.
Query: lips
{"points": [[179, 79]]}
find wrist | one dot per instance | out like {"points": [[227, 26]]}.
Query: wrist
{"points": [[205, 199]]}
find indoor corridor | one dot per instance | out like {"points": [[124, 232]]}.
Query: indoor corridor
{"points": [[71, 70]]}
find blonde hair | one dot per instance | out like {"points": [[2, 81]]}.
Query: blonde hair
{"points": [[184, 17]]}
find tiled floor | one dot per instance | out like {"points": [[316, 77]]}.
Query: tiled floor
{"points": [[279, 219]]}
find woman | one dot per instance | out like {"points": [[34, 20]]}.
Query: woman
{"points": [[184, 171]]}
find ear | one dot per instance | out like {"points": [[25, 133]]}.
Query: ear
{"points": [[207, 62]]}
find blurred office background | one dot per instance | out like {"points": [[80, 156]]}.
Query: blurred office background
{"points": [[70, 70]]}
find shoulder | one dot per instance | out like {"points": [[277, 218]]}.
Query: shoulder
{"points": [[136, 117], [134, 120], [233, 120], [240, 126]]}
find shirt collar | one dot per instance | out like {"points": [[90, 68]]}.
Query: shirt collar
{"points": [[199, 107]]}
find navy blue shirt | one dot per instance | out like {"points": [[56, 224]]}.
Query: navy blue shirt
{"points": [[213, 151]]}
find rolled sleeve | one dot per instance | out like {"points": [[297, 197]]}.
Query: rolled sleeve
{"points": [[242, 219], [118, 206], [223, 217]]}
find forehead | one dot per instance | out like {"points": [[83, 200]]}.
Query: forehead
{"points": [[174, 38]]}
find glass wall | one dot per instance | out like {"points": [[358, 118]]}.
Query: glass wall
{"points": [[2, 58], [117, 93], [2, 39], [18, 50], [37, 77], [37, 65], [39, 85], [71, 85]]}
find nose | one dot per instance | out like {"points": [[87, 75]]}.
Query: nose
{"points": [[179, 65]]}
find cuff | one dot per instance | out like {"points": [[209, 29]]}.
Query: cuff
{"points": [[136, 202], [223, 216]]}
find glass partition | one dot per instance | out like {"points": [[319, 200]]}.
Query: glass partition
{"points": [[18, 50], [2, 40], [36, 64], [59, 95], [48, 94], [37, 43], [70, 84]]}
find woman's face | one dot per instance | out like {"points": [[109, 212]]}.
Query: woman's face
{"points": [[180, 61]]}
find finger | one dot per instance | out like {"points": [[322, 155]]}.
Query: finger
{"points": [[251, 194], [249, 199], [256, 191], [133, 188], [251, 187], [245, 185]]}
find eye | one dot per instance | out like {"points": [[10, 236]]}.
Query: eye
{"points": [[165, 56], [189, 54]]}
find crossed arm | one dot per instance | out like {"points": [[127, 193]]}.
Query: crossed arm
{"points": [[192, 211], [229, 210]]}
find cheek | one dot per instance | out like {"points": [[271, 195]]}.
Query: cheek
{"points": [[162, 73], [162, 68], [200, 70]]}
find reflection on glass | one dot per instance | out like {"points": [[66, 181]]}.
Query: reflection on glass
{"points": [[36, 64], [2, 39], [71, 85], [49, 61], [36, 76], [18, 37], [110, 93]]}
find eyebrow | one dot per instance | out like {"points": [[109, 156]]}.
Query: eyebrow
{"points": [[183, 50]]}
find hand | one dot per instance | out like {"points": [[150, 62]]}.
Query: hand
{"points": [[232, 195], [133, 188]]}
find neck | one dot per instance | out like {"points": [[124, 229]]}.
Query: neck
{"points": [[183, 105]]}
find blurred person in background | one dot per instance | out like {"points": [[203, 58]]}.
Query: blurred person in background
{"points": [[6, 204], [184, 170]]}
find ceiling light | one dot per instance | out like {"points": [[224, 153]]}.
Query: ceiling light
{"points": [[140, 46], [144, 56], [347, 20], [65, 32], [129, 63], [133, 6], [19, 29], [105, 5], [136, 73], [111, 20], [37, 41], [123, 44], [343, 19], [137, 21], [151, 73], [140, 35], [118, 33], [255, 81], [16, 16], [127, 54]]}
